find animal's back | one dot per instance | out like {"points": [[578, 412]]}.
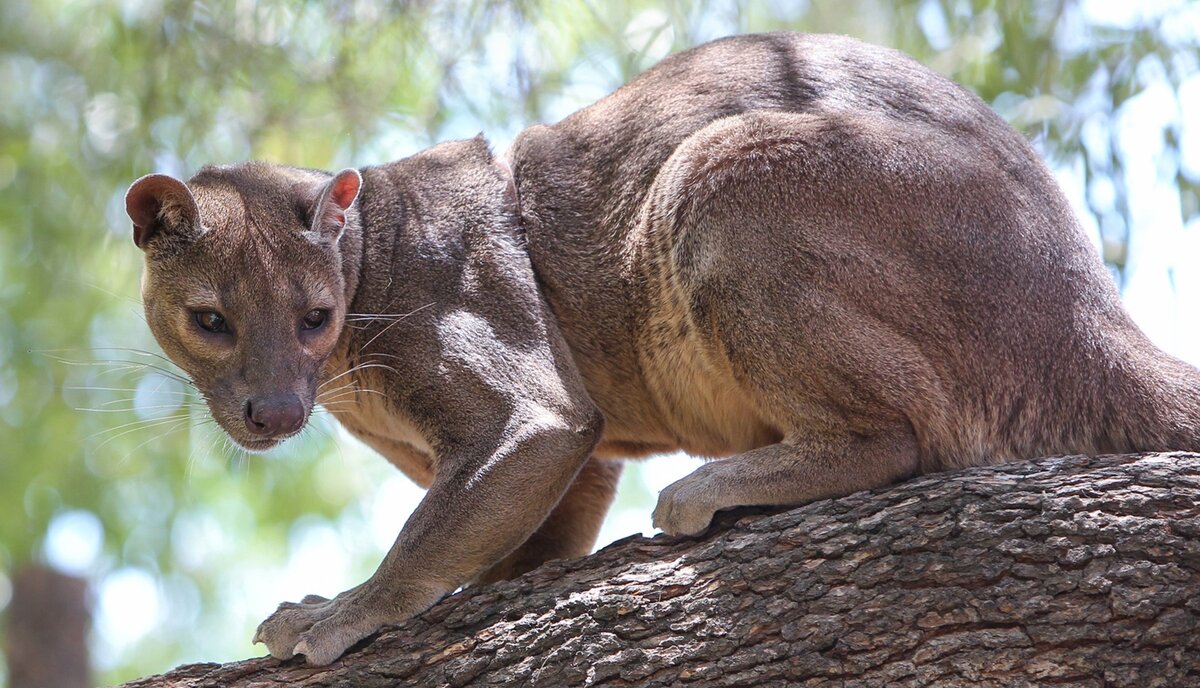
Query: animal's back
{"points": [[599, 163]]}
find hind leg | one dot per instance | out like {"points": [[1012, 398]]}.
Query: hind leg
{"points": [[795, 471], [810, 269], [570, 530]]}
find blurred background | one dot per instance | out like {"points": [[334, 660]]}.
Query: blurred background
{"points": [[130, 529]]}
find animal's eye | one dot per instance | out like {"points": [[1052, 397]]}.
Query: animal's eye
{"points": [[212, 321], [314, 319]]}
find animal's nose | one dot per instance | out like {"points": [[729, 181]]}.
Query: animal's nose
{"points": [[278, 414]]}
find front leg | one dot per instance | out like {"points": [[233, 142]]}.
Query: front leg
{"points": [[571, 529], [480, 507]]}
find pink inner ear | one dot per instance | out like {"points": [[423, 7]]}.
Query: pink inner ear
{"points": [[147, 196], [142, 206], [345, 190]]}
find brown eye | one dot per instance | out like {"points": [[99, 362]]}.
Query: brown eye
{"points": [[211, 321], [314, 319]]}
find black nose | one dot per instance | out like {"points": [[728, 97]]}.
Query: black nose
{"points": [[278, 414]]}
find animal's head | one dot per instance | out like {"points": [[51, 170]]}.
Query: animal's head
{"points": [[244, 286]]}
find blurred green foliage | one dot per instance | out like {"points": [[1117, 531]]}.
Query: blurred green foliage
{"points": [[96, 94]]}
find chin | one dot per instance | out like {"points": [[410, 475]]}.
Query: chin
{"points": [[261, 445], [257, 446]]}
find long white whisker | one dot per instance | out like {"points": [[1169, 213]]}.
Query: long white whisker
{"points": [[348, 395], [138, 352], [379, 353], [348, 399], [186, 398], [381, 316], [339, 388], [92, 388], [159, 436], [393, 324], [113, 294], [139, 425], [128, 365], [364, 390], [140, 421], [135, 409], [360, 366]]}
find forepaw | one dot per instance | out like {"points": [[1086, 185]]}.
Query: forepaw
{"points": [[686, 506], [318, 628]]}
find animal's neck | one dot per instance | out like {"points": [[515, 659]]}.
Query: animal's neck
{"points": [[447, 202]]}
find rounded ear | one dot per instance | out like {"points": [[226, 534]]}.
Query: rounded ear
{"points": [[159, 204], [344, 187], [335, 199]]}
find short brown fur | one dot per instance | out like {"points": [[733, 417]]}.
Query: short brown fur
{"points": [[809, 255]]}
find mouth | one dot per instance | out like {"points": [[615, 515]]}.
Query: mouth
{"points": [[257, 446], [261, 445]]}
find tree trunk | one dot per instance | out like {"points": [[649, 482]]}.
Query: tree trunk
{"points": [[47, 628], [1069, 571]]}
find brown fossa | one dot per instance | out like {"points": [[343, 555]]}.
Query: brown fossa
{"points": [[811, 257]]}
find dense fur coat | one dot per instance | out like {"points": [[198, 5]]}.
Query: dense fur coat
{"points": [[809, 255]]}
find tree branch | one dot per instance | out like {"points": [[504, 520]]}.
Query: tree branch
{"points": [[1074, 571]]}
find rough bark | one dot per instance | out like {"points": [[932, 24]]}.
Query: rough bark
{"points": [[47, 627], [1070, 571]]}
